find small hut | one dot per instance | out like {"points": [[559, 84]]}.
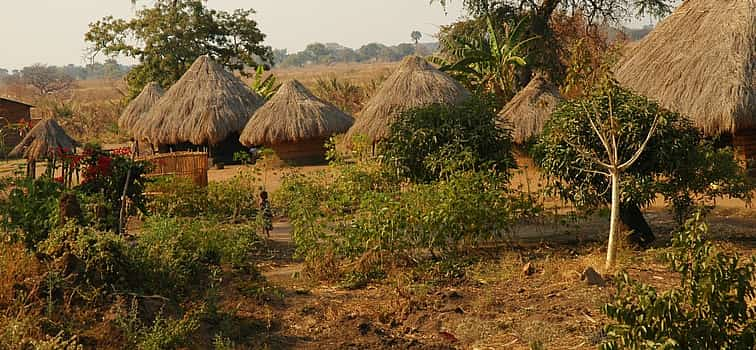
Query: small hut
{"points": [[46, 140], [206, 109], [701, 62], [139, 106], [295, 124], [529, 110], [415, 84]]}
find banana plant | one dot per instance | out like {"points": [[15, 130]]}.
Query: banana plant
{"points": [[486, 61], [265, 86]]}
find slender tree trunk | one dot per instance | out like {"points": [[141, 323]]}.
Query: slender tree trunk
{"points": [[611, 253]]}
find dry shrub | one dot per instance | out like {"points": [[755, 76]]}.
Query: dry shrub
{"points": [[16, 265]]}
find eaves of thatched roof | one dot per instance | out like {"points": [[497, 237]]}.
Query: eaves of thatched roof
{"points": [[140, 106], [206, 106], [414, 84], [44, 139], [293, 115], [700, 62], [528, 111]]}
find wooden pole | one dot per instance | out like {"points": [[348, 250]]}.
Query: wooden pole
{"points": [[122, 210]]}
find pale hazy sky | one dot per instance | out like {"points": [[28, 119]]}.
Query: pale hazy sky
{"points": [[52, 31]]}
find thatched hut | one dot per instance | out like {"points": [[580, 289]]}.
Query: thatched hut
{"points": [[414, 84], [295, 124], [207, 107], [701, 62], [46, 140], [529, 110], [140, 106]]}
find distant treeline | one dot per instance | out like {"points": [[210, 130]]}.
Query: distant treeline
{"points": [[318, 53], [110, 69]]}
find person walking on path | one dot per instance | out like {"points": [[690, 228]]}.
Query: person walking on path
{"points": [[267, 213]]}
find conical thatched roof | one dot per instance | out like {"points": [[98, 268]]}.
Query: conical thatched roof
{"points": [[294, 114], [43, 139], [139, 106], [204, 107], [415, 84], [700, 62], [529, 110]]}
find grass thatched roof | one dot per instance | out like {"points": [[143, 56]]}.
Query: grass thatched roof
{"points": [[414, 84], [204, 107], [294, 114], [700, 62], [44, 139], [139, 106], [529, 110]]}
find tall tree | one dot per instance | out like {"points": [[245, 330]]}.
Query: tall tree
{"points": [[540, 14], [47, 80], [416, 36], [168, 37]]}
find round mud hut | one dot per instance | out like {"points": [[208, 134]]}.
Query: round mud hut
{"points": [[295, 124], [528, 111], [701, 62], [416, 83], [46, 140], [205, 110], [139, 107]]}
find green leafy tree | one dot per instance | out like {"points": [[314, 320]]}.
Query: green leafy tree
{"points": [[168, 37], [434, 142], [541, 22], [677, 163], [710, 308], [486, 61]]}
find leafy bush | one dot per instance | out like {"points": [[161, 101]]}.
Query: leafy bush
{"points": [[429, 143], [102, 258], [30, 210], [175, 254], [105, 176], [354, 212], [710, 309], [234, 199]]}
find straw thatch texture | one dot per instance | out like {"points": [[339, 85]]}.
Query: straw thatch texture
{"points": [[139, 106], [204, 107], [700, 62], [529, 110], [293, 115], [415, 84], [44, 139]]}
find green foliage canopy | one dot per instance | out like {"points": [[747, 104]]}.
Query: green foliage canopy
{"points": [[429, 143], [678, 162], [168, 37], [709, 309]]}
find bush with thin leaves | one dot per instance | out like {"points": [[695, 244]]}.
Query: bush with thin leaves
{"points": [[711, 308]]}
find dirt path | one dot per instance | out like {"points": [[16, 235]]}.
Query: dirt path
{"points": [[279, 266]]}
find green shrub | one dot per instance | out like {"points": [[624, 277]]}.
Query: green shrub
{"points": [[30, 210], [162, 333], [429, 143], [352, 211], [102, 257], [710, 309], [234, 199]]}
